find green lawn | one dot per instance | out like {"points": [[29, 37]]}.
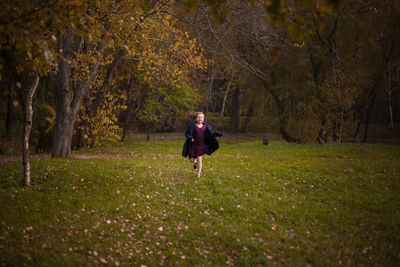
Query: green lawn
{"points": [[139, 203]]}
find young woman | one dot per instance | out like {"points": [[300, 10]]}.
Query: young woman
{"points": [[199, 141]]}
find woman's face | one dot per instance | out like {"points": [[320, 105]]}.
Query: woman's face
{"points": [[200, 118]]}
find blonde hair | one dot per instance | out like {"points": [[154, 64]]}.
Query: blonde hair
{"points": [[198, 113]]}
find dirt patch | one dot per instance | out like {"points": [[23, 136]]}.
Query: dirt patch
{"points": [[225, 135], [5, 159]]}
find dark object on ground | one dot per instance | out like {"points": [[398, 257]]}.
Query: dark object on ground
{"points": [[265, 141], [320, 140]]}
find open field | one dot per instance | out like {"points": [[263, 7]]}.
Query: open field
{"points": [[139, 203]]}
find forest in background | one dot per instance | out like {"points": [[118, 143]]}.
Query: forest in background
{"points": [[95, 70], [81, 80]]}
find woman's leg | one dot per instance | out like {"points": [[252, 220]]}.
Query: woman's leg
{"points": [[193, 160], [199, 164]]}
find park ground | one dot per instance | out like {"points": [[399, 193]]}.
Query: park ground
{"points": [[139, 203]]}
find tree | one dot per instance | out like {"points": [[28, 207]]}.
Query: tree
{"points": [[163, 67], [101, 29], [241, 43], [23, 53], [341, 54], [27, 129]]}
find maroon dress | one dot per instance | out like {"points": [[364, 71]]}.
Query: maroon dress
{"points": [[198, 148]]}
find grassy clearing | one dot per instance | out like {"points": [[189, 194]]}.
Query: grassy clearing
{"points": [[140, 203]]}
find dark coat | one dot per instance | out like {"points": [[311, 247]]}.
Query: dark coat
{"points": [[209, 139]]}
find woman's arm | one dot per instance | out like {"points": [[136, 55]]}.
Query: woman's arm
{"points": [[213, 134], [189, 133], [217, 134]]}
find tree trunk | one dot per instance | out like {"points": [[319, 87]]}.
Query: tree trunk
{"points": [[63, 129], [164, 124], [391, 117], [80, 140], [368, 115], [63, 132], [283, 122], [173, 120], [128, 112], [283, 118], [127, 124], [235, 110], [130, 116], [314, 65], [389, 94], [66, 109], [148, 133], [249, 115], [107, 81], [223, 105], [27, 130], [334, 131], [209, 91], [10, 113], [263, 103], [357, 129], [124, 131]]}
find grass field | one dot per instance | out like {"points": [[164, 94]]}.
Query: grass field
{"points": [[139, 203]]}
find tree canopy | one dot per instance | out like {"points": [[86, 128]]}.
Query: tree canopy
{"points": [[320, 68]]}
